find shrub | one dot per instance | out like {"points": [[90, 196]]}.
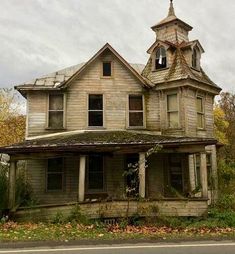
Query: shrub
{"points": [[77, 216]]}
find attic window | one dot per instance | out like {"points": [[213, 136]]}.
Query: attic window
{"points": [[107, 69], [160, 61]]}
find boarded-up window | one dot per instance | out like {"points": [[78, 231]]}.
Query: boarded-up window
{"points": [[161, 61], [107, 69], [55, 174], [176, 173], [200, 113], [172, 111], [56, 111], [95, 173], [95, 110], [136, 112]]}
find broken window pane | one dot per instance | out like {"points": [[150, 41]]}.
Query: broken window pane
{"points": [[107, 69], [136, 119], [160, 59], [96, 118]]}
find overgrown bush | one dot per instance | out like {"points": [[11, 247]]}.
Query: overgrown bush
{"points": [[226, 176], [77, 216]]}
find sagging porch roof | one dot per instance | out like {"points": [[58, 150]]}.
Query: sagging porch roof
{"points": [[101, 141]]}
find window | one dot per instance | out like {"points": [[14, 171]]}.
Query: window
{"points": [[56, 111], [200, 113], [194, 59], [197, 170], [95, 110], [176, 173], [209, 170], [95, 173], [160, 58], [172, 111], [55, 174], [107, 69], [136, 113], [132, 177]]}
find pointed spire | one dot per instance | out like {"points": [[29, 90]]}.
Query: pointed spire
{"points": [[171, 9]]}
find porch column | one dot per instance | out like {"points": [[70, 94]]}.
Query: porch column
{"points": [[203, 174], [214, 173], [142, 175], [12, 185], [81, 185], [191, 163]]}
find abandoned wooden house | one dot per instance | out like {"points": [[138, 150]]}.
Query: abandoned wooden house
{"points": [[88, 124]]}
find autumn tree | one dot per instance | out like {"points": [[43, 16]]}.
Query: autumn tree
{"points": [[227, 104], [12, 120]]}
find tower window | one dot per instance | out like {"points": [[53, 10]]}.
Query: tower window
{"points": [[194, 59], [160, 59]]}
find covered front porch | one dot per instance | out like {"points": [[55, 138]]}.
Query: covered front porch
{"points": [[140, 174]]}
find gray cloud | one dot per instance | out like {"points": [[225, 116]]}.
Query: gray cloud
{"points": [[41, 36]]}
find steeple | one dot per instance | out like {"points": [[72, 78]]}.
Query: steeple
{"points": [[172, 28], [171, 9]]}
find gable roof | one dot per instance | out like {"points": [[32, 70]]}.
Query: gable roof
{"points": [[61, 79]]}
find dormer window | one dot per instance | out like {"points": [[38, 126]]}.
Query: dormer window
{"points": [[160, 61]]}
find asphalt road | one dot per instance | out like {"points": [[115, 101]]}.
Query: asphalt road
{"points": [[181, 248]]}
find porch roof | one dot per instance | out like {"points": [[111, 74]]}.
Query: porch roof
{"points": [[101, 141]]}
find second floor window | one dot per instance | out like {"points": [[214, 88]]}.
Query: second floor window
{"points": [[200, 113], [136, 112], [95, 110], [56, 111], [172, 111], [160, 62]]}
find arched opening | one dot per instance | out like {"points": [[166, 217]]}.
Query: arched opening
{"points": [[160, 61]]}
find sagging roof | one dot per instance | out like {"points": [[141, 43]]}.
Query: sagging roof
{"points": [[86, 141], [60, 79]]}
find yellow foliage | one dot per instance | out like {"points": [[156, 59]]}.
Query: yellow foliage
{"points": [[12, 121], [221, 125]]}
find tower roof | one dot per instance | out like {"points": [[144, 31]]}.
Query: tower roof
{"points": [[171, 17]]}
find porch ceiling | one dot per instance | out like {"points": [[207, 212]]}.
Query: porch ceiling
{"points": [[102, 141]]}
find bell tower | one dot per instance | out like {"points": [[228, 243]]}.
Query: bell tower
{"points": [[171, 28]]}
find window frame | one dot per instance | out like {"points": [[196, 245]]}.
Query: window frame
{"points": [[156, 58], [102, 69], [48, 111], [103, 111], [201, 113], [136, 111], [209, 171], [173, 111], [95, 191], [56, 173]]}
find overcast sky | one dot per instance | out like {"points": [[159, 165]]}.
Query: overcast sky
{"points": [[42, 36]]}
